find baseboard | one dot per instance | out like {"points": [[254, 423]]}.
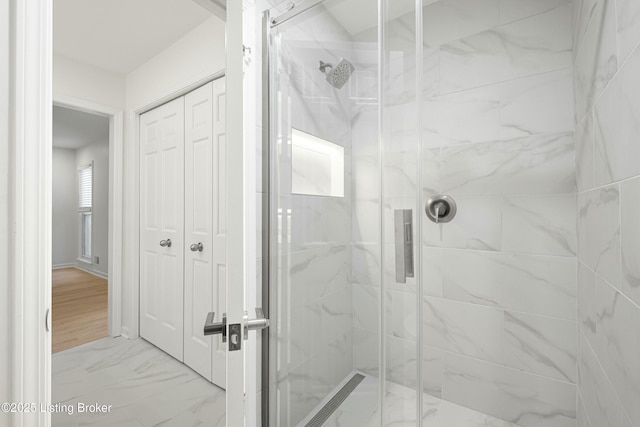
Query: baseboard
{"points": [[92, 271], [59, 266]]}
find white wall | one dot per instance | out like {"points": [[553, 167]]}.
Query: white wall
{"points": [[98, 152], [75, 79], [197, 55], [5, 337], [65, 208]]}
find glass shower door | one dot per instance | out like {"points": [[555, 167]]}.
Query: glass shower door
{"points": [[325, 279]]}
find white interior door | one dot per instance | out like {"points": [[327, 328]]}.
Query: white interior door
{"points": [[204, 225], [161, 221], [218, 360], [198, 198], [236, 214]]}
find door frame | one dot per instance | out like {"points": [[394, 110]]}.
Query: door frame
{"points": [[116, 175]]}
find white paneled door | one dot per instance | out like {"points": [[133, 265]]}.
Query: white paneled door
{"points": [[162, 227], [205, 230], [218, 360]]}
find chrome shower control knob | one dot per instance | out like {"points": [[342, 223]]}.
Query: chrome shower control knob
{"points": [[440, 208], [196, 247]]}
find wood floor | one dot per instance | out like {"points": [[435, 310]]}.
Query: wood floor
{"points": [[79, 308]]}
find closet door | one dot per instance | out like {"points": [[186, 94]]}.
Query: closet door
{"points": [[204, 269], [161, 221], [198, 273]]}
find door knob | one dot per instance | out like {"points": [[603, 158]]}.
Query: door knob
{"points": [[196, 247], [165, 243]]}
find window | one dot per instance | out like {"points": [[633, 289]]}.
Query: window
{"points": [[85, 205]]}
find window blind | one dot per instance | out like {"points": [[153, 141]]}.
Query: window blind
{"points": [[85, 188]]}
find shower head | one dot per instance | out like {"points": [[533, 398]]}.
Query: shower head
{"points": [[337, 75]]}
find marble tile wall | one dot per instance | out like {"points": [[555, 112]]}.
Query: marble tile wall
{"points": [[607, 90], [499, 282]]}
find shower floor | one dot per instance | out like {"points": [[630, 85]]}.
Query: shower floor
{"points": [[361, 409]]}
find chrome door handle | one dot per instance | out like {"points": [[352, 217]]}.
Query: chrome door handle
{"points": [[165, 243], [211, 328], [196, 247], [260, 322]]}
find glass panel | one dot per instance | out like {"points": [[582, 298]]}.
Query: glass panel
{"points": [[401, 154], [324, 87]]}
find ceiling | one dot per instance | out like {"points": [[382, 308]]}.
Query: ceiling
{"points": [[74, 129], [121, 35]]}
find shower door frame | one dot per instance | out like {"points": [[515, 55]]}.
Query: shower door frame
{"points": [[269, 248]]}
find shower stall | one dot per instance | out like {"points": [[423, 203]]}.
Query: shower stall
{"points": [[422, 213]]}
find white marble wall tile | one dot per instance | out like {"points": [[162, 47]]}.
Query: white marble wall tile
{"points": [[448, 20], [618, 345], [400, 173], [530, 46], [302, 217], [463, 328], [365, 264], [518, 397], [541, 345], [599, 231], [315, 273], [617, 125], [401, 367], [336, 316], [543, 225], [511, 10], [537, 104], [366, 351], [295, 342], [401, 314], [601, 404], [468, 116], [587, 302], [366, 173], [628, 26], [432, 369], [477, 225], [596, 59], [539, 164], [630, 238], [432, 271], [583, 139], [430, 166], [430, 72], [542, 285], [626, 421], [366, 306], [336, 220], [582, 420], [365, 227]]}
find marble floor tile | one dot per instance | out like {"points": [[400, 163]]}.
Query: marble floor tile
{"points": [[361, 409], [145, 387]]}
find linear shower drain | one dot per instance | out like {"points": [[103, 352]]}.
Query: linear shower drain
{"points": [[335, 402]]}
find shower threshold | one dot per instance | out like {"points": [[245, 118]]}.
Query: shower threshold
{"points": [[361, 409]]}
